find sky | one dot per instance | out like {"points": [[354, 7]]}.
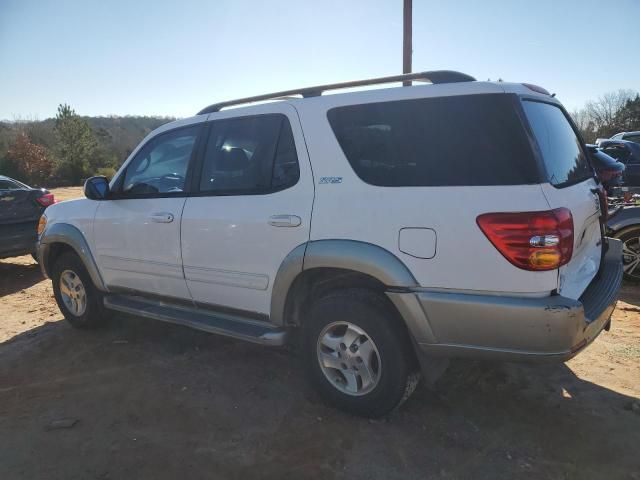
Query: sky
{"points": [[172, 58]]}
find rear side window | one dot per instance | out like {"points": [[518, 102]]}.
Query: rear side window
{"points": [[250, 155], [563, 157], [8, 185], [462, 140]]}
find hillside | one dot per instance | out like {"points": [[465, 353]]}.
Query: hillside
{"points": [[116, 137]]}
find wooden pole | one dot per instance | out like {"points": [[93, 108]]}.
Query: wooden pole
{"points": [[407, 48]]}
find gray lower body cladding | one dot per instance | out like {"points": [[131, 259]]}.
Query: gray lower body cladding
{"points": [[508, 328]]}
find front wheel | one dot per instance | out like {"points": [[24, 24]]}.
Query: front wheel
{"points": [[78, 299], [357, 354]]}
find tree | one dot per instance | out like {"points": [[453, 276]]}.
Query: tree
{"points": [[628, 118], [76, 145], [611, 113], [29, 160], [603, 112]]}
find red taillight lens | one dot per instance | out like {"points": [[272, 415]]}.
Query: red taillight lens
{"points": [[606, 175], [46, 199], [604, 204], [531, 240]]}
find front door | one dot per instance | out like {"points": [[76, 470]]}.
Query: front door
{"points": [[253, 206], [137, 232]]}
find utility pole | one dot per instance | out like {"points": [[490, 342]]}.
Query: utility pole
{"points": [[407, 48]]}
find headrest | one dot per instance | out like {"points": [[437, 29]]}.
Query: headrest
{"points": [[232, 159]]}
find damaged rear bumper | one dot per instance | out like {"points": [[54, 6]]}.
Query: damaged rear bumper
{"points": [[553, 328]]}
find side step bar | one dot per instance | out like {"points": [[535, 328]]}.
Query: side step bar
{"points": [[218, 323]]}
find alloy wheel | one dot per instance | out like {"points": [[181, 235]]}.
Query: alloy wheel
{"points": [[349, 358]]}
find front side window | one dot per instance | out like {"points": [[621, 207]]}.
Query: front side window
{"points": [[161, 166], [249, 155], [460, 140], [562, 154]]}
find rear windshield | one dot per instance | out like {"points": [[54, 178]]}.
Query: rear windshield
{"points": [[465, 140], [564, 159]]}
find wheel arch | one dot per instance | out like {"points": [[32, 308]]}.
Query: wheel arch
{"points": [[321, 265], [62, 237]]}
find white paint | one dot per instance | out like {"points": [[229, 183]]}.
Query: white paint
{"points": [[231, 252]]}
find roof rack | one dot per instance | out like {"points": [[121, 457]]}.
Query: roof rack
{"points": [[434, 77]]}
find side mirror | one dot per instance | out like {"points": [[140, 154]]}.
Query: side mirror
{"points": [[96, 188]]}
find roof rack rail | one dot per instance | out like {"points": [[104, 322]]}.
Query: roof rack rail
{"points": [[434, 77]]}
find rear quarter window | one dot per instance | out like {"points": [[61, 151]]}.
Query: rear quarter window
{"points": [[563, 157], [466, 140]]}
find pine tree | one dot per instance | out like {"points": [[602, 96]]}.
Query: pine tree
{"points": [[75, 147]]}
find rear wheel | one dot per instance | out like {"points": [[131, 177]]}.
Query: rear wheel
{"points": [[357, 354], [630, 239], [78, 299]]}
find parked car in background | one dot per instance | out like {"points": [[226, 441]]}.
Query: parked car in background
{"points": [[629, 136], [20, 209], [628, 153], [624, 225], [608, 169]]}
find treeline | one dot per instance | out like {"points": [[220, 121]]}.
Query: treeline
{"points": [[69, 148], [612, 113]]}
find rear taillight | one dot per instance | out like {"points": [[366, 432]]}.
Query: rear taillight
{"points": [[46, 199], [604, 204], [606, 175], [531, 240]]}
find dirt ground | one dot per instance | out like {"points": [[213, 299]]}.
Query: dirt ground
{"points": [[140, 399]]}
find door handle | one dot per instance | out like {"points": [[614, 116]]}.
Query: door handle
{"points": [[285, 220], [161, 217]]}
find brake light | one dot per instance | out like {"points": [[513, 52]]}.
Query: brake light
{"points": [[606, 175], [531, 240], [46, 199], [604, 204]]}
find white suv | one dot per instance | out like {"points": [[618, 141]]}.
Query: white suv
{"points": [[390, 228]]}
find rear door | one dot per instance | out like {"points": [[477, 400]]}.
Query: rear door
{"points": [[252, 206], [571, 185]]}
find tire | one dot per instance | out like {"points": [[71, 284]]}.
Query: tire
{"points": [[630, 238], [386, 373], [86, 314]]}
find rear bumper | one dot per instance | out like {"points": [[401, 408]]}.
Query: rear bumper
{"points": [[553, 328], [18, 239]]}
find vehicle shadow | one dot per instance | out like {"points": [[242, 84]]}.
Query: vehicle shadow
{"points": [[191, 403], [18, 276], [630, 293]]}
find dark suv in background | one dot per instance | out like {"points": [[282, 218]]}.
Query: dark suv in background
{"points": [[20, 210]]}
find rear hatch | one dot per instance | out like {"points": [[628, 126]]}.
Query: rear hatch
{"points": [[570, 185]]}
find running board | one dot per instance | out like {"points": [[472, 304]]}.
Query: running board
{"points": [[218, 323]]}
